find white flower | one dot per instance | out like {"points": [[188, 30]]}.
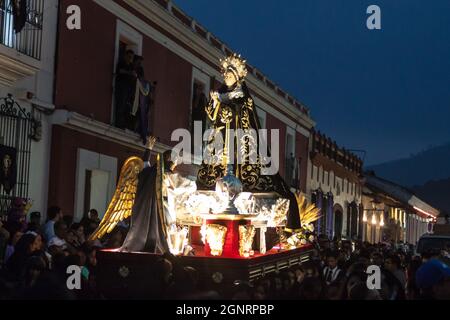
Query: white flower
{"points": [[303, 241], [311, 238], [291, 241], [311, 227]]}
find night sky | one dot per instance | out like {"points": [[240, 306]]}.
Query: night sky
{"points": [[385, 91]]}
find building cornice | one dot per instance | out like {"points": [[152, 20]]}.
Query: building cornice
{"points": [[168, 22], [80, 123], [339, 170], [12, 67]]}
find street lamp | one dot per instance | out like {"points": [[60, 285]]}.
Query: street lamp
{"points": [[364, 231]]}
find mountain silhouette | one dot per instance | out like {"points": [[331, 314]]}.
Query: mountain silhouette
{"points": [[428, 165], [426, 173], [436, 193]]}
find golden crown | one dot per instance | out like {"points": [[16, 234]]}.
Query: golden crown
{"points": [[235, 64]]}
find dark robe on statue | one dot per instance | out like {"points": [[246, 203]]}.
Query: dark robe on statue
{"points": [[237, 105], [146, 232]]}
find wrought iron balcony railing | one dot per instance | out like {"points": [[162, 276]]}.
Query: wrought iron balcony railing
{"points": [[29, 40]]}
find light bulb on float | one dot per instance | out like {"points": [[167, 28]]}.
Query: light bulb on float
{"points": [[381, 220], [177, 239], [374, 219], [203, 232]]}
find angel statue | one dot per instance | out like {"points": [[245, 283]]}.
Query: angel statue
{"points": [[232, 107], [141, 193]]}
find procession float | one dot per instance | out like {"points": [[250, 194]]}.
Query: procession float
{"points": [[234, 222]]}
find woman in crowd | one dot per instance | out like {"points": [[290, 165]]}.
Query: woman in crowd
{"points": [[75, 235], [29, 244], [12, 242]]}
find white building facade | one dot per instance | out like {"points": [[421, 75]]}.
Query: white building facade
{"points": [[27, 68], [334, 186]]}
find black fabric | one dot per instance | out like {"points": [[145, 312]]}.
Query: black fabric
{"points": [[124, 95], [199, 102], [20, 14], [146, 230], [329, 275], [147, 155], [123, 77], [293, 219], [396, 289]]}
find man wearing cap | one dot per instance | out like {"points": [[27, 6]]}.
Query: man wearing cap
{"points": [[433, 279]]}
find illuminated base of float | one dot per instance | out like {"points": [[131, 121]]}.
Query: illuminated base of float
{"points": [[231, 223], [133, 275]]}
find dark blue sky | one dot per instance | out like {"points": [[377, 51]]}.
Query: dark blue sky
{"points": [[385, 91]]}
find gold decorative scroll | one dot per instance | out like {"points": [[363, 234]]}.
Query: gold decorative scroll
{"points": [[215, 236], [246, 235]]}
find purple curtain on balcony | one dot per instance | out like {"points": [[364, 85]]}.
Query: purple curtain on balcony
{"points": [[330, 205]]}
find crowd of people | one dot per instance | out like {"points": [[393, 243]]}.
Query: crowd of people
{"points": [[36, 257], [338, 271]]}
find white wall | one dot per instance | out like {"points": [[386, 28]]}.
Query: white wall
{"points": [[343, 198], [100, 192], [88, 160], [41, 85]]}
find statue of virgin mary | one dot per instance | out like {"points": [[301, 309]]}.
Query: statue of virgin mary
{"points": [[232, 108]]}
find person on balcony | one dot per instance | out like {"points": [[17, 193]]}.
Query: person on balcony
{"points": [[142, 101], [19, 8], [125, 91]]}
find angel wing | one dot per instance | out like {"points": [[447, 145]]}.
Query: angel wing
{"points": [[122, 202], [309, 213]]}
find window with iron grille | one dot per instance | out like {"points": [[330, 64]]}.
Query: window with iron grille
{"points": [[29, 40], [17, 129]]}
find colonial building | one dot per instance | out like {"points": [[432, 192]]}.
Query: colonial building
{"points": [[27, 52], [180, 60], [334, 185], [393, 213]]}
